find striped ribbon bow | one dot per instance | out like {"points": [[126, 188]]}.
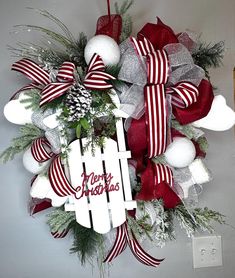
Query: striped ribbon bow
{"points": [[41, 79], [96, 78], [122, 239], [183, 95], [41, 150]]}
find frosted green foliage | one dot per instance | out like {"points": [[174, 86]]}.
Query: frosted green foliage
{"points": [[29, 133], [59, 220], [126, 18], [31, 99], [198, 219]]}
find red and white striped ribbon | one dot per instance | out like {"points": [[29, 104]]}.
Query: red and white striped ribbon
{"points": [[122, 239], [58, 179], [143, 47], [65, 78], [32, 70], [154, 92], [41, 80], [156, 119], [184, 94], [163, 173], [96, 78], [61, 234], [41, 149]]}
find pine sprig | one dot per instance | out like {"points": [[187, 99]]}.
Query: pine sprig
{"points": [[31, 99], [208, 55], [86, 242], [60, 220], [71, 49], [29, 132], [126, 18], [198, 219]]}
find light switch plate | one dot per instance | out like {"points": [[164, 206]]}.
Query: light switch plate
{"points": [[207, 251]]}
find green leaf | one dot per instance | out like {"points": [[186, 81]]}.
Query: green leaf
{"points": [[84, 123], [78, 130]]}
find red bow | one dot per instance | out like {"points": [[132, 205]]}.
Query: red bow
{"points": [[41, 79]]}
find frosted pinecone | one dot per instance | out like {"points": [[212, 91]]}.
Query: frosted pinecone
{"points": [[78, 102]]}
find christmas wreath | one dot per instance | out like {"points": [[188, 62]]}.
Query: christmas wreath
{"points": [[110, 129]]}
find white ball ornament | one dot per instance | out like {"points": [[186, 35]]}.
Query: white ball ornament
{"points": [[180, 153], [105, 46], [16, 112], [32, 165], [41, 189]]}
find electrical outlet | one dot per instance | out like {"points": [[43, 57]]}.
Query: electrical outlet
{"points": [[207, 251]]}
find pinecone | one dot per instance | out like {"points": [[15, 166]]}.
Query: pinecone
{"points": [[78, 102]]}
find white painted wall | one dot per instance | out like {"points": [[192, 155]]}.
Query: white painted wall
{"points": [[26, 248]]}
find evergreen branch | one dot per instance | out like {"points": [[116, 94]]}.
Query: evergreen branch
{"points": [[44, 55], [86, 242], [124, 7], [187, 130], [59, 23], [60, 220], [32, 99], [203, 144], [208, 55], [198, 219], [126, 18], [29, 133], [191, 133], [139, 227], [61, 39]]}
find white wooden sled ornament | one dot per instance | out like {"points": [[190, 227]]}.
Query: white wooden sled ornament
{"points": [[103, 183]]}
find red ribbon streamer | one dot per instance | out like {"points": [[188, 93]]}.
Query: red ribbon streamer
{"points": [[41, 80], [96, 78], [122, 240]]}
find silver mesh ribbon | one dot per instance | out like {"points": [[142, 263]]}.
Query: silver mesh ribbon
{"points": [[182, 67], [134, 72], [52, 135]]}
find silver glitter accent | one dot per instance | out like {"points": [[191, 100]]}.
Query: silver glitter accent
{"points": [[133, 69], [52, 135]]}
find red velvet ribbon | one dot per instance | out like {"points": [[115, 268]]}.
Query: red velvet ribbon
{"points": [[109, 25]]}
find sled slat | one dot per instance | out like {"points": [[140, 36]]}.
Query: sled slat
{"points": [[98, 203], [116, 200], [76, 170]]}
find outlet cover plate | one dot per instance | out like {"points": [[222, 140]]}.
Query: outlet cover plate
{"points": [[207, 251]]}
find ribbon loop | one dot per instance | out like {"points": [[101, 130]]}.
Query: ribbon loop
{"points": [[41, 79], [184, 94], [58, 179], [41, 150], [65, 73], [65, 78], [96, 78], [32, 70]]}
